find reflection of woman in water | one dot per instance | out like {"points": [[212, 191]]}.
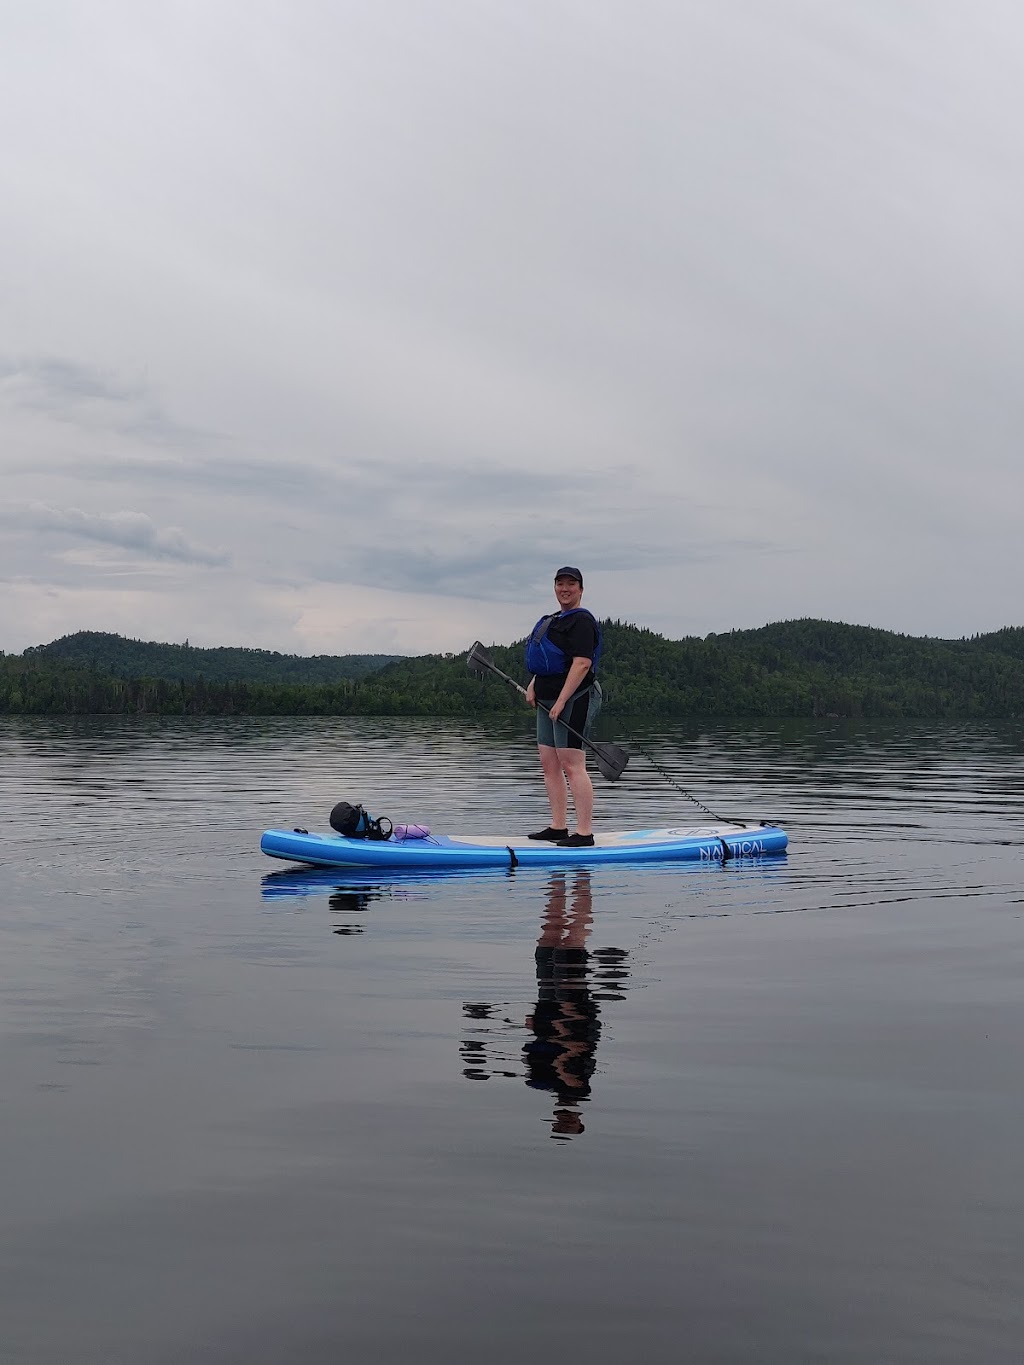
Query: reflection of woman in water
{"points": [[566, 1021]]}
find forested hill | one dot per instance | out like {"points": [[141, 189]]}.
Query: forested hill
{"points": [[791, 668], [122, 658]]}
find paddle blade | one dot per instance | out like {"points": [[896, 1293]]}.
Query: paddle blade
{"points": [[478, 661], [611, 760]]}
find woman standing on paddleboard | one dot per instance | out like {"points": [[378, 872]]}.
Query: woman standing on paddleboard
{"points": [[562, 655]]}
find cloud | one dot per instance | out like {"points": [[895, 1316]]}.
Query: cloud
{"points": [[722, 303], [69, 391], [126, 529], [505, 568]]}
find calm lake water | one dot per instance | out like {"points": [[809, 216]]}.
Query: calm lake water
{"points": [[766, 1112]]}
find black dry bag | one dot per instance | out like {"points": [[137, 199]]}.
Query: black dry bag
{"points": [[354, 822]]}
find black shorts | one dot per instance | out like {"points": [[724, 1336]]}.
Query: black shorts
{"points": [[580, 713]]}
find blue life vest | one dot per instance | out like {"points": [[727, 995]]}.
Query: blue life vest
{"points": [[544, 658]]}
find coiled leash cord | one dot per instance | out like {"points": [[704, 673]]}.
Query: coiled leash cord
{"points": [[719, 819]]}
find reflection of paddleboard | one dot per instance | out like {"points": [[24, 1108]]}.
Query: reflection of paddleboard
{"points": [[697, 843]]}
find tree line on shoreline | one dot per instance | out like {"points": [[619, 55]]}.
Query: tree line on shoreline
{"points": [[793, 668]]}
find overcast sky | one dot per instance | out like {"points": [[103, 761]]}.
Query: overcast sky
{"points": [[338, 327]]}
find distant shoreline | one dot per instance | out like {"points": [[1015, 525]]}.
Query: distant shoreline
{"points": [[801, 668]]}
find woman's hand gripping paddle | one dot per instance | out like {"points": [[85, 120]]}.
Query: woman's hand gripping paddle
{"points": [[611, 760]]}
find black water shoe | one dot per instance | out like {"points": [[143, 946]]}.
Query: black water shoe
{"points": [[577, 841], [555, 835]]}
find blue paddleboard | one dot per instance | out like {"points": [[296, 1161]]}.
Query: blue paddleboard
{"points": [[695, 843]]}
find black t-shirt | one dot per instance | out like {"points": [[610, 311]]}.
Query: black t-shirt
{"points": [[576, 636]]}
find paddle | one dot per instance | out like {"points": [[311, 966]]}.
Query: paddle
{"points": [[611, 760]]}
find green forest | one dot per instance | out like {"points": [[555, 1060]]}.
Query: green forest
{"points": [[98, 652], [790, 668]]}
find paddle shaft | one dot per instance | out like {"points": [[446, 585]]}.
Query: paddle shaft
{"points": [[611, 760], [522, 690], [480, 656]]}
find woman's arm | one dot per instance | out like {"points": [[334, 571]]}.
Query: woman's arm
{"points": [[578, 670]]}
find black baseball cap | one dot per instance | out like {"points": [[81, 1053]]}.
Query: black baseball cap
{"points": [[569, 572]]}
